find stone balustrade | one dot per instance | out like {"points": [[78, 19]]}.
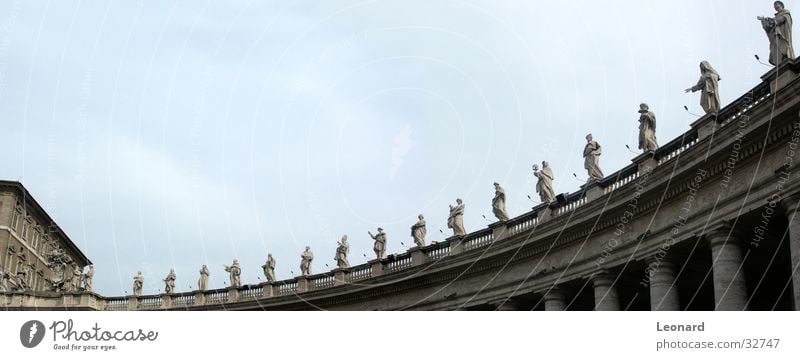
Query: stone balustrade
{"points": [[372, 271]]}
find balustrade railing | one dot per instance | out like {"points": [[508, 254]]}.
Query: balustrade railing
{"points": [[573, 202], [360, 272], [251, 293], [478, 239], [218, 296], [183, 300], [400, 262], [117, 304], [287, 287], [437, 251], [523, 223], [321, 281], [150, 302], [622, 177], [481, 238], [675, 147]]}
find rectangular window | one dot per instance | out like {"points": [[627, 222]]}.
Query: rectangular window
{"points": [[15, 221], [35, 241], [25, 226]]}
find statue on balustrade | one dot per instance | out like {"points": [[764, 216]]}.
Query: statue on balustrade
{"points": [[708, 85], [235, 273], [77, 278], [456, 219], [591, 159], [545, 184], [269, 268], [647, 129], [170, 282], [202, 283], [342, 250], [305, 261], [418, 231], [499, 203], [380, 243], [88, 278], [779, 33], [138, 283]]}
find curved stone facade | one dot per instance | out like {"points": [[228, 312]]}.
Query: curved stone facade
{"points": [[707, 221]]}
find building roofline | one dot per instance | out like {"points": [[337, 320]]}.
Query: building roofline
{"points": [[31, 202]]}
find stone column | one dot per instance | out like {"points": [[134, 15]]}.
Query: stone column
{"points": [[554, 300], [605, 293], [730, 291], [790, 205], [663, 291]]}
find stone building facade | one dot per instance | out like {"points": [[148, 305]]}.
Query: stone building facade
{"points": [[36, 254]]}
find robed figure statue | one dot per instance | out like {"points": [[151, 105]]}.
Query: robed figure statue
{"points": [[779, 32]]}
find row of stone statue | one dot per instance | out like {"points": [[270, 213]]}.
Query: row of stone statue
{"points": [[779, 32]]}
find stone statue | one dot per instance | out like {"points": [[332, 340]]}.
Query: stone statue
{"points": [[499, 203], [77, 278], [709, 87], [545, 184], [235, 273], [138, 283], [269, 268], [305, 261], [21, 279], [169, 282], [647, 129], [779, 32], [418, 231], [591, 159], [3, 277], [341, 253], [380, 243], [456, 219], [57, 262], [88, 278], [202, 283]]}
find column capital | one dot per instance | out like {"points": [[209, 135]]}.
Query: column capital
{"points": [[506, 304], [666, 261], [554, 293], [720, 233], [603, 278], [789, 203]]}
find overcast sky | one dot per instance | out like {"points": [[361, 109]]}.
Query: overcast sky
{"points": [[172, 134]]}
